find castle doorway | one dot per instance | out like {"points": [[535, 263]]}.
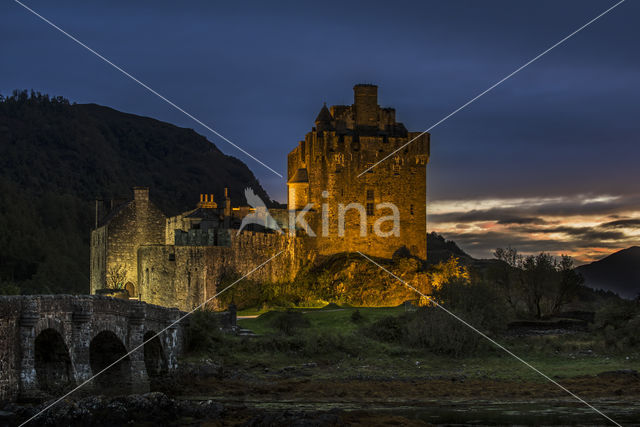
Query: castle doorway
{"points": [[131, 289], [104, 350], [52, 362]]}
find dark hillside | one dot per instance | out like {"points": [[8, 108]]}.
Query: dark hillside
{"points": [[618, 272], [439, 249], [57, 157]]}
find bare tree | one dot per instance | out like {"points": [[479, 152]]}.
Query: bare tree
{"points": [[507, 275], [116, 277], [567, 285]]}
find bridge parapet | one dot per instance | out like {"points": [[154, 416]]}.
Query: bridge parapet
{"points": [[48, 343]]}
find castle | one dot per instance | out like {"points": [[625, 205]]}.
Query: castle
{"points": [[332, 207]]}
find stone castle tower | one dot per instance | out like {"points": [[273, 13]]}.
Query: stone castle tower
{"points": [[325, 169]]}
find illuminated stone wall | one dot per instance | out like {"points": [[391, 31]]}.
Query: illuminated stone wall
{"points": [[344, 143], [136, 223], [186, 276]]}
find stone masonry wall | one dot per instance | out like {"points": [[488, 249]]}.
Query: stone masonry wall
{"points": [[335, 153], [9, 357], [186, 276], [136, 224], [400, 180], [98, 259]]}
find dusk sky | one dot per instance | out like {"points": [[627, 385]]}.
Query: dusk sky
{"points": [[546, 161]]}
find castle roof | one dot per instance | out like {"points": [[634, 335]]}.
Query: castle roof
{"points": [[324, 116], [204, 213], [109, 216], [301, 176]]}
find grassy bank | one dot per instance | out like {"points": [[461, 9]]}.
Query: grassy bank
{"points": [[344, 342]]}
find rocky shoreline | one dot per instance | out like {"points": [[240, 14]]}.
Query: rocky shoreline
{"points": [[156, 408]]}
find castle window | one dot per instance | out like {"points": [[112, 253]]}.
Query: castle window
{"points": [[369, 209], [411, 209], [172, 257], [369, 194]]}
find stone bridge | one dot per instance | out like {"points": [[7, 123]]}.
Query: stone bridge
{"points": [[49, 343]]}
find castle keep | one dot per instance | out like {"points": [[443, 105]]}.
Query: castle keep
{"points": [[326, 169], [181, 261]]}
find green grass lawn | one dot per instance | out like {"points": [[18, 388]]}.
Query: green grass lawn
{"points": [[324, 319], [559, 356]]}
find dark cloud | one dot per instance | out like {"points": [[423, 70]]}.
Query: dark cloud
{"points": [[588, 233], [483, 244], [521, 220], [517, 227], [622, 223], [531, 212]]}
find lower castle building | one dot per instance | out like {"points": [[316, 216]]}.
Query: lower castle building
{"points": [[339, 200]]}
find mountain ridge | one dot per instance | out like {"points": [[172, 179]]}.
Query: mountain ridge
{"points": [[617, 272]]}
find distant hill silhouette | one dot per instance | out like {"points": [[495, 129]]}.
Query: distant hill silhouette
{"points": [[440, 249], [618, 272], [57, 157]]}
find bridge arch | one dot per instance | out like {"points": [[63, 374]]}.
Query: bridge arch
{"points": [[52, 362], [112, 324], [155, 358], [105, 349], [49, 322]]}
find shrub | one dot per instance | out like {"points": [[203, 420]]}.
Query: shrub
{"points": [[288, 322], [389, 329], [324, 343], [618, 323], [203, 332], [478, 304], [615, 314], [357, 317], [439, 332]]}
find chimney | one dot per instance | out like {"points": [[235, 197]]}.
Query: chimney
{"points": [[141, 194], [227, 208], [206, 201], [366, 104]]}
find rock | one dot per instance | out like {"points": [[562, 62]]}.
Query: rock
{"points": [[619, 372], [154, 408]]}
